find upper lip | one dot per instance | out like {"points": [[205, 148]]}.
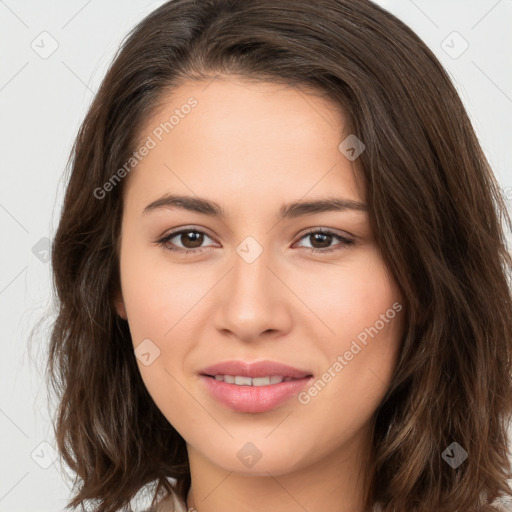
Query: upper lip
{"points": [[255, 369]]}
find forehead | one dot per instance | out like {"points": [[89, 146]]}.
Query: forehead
{"points": [[223, 136]]}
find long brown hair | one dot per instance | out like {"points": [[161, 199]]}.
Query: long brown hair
{"points": [[435, 207]]}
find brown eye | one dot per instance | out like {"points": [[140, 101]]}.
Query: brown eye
{"points": [[191, 239], [321, 241], [186, 240]]}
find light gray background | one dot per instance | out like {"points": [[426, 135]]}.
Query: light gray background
{"points": [[42, 102]]}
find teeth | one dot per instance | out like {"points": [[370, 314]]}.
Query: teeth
{"points": [[243, 381], [248, 381], [265, 381]]}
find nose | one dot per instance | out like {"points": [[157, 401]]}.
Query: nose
{"points": [[252, 301]]}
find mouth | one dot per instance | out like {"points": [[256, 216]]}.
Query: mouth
{"points": [[258, 369], [240, 380], [253, 388]]}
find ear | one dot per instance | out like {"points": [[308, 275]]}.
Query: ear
{"points": [[119, 305]]}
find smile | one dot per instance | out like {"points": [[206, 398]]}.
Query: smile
{"points": [[248, 381]]}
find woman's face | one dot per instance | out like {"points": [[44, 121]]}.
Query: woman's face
{"points": [[265, 284]]}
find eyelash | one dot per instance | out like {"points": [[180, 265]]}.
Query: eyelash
{"points": [[164, 241]]}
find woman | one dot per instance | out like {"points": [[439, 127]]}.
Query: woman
{"points": [[282, 272]]}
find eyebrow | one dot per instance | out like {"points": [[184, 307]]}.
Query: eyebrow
{"points": [[287, 211]]}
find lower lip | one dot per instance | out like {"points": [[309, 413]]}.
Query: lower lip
{"points": [[254, 398]]}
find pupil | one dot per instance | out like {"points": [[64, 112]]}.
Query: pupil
{"points": [[197, 239], [322, 237]]}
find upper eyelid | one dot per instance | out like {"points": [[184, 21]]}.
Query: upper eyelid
{"points": [[186, 229]]}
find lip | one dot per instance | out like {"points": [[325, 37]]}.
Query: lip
{"points": [[254, 399], [255, 369]]}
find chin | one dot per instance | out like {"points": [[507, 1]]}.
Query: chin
{"points": [[249, 460]]}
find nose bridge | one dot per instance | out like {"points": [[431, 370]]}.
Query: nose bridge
{"points": [[250, 271], [251, 300], [250, 279]]}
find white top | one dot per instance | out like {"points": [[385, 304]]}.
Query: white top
{"points": [[171, 504]]}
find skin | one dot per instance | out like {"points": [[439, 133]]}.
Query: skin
{"points": [[250, 148]]}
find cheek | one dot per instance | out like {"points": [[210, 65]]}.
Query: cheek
{"points": [[341, 401], [348, 296], [157, 294], [344, 398], [159, 299], [363, 308], [155, 304]]}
